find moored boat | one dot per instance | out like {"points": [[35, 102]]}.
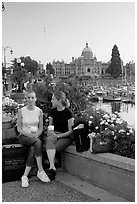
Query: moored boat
{"points": [[111, 99], [94, 98], [126, 100], [132, 101]]}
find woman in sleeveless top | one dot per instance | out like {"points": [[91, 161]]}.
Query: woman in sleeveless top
{"points": [[30, 127]]}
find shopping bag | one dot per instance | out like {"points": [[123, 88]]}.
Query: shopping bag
{"points": [[101, 144], [80, 132]]}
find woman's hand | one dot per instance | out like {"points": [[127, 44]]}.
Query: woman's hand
{"points": [[31, 134], [52, 134], [52, 137]]}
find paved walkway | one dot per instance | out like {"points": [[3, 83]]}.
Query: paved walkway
{"points": [[66, 188]]}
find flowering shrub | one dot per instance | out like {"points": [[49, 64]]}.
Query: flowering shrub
{"points": [[113, 127], [9, 109]]}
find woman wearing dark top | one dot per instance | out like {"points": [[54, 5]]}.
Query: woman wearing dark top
{"points": [[62, 120]]}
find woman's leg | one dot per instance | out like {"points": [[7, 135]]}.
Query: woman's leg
{"points": [[51, 156], [30, 159], [38, 154], [35, 150], [51, 151], [27, 171], [63, 143], [59, 145]]}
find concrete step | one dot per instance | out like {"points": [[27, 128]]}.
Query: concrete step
{"points": [[86, 188]]}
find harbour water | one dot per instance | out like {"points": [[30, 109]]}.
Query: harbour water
{"points": [[126, 111]]}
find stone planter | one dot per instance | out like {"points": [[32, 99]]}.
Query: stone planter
{"points": [[8, 134], [6, 125]]}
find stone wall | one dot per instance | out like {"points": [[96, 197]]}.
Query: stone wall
{"points": [[108, 171]]}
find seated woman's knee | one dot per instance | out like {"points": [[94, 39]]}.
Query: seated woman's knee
{"points": [[38, 143]]}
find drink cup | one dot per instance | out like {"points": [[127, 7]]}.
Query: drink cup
{"points": [[33, 129], [50, 128]]}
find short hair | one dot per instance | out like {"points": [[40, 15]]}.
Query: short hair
{"points": [[29, 91]]}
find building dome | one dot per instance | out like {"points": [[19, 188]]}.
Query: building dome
{"points": [[87, 52]]}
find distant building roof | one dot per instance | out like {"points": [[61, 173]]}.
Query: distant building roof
{"points": [[87, 52]]}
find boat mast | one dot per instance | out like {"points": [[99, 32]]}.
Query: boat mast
{"points": [[122, 70], [125, 75]]}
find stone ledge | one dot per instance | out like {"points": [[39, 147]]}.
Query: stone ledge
{"points": [[106, 158], [110, 172]]}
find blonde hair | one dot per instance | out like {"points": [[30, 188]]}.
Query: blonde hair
{"points": [[29, 91], [62, 97]]}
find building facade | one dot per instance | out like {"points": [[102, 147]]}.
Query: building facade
{"points": [[85, 65]]}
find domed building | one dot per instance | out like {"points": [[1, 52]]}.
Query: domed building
{"points": [[87, 52], [85, 65]]}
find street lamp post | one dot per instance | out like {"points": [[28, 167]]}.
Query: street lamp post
{"points": [[5, 76], [125, 75], [4, 50], [20, 66], [122, 70], [3, 7]]}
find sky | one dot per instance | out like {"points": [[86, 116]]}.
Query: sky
{"points": [[48, 31]]}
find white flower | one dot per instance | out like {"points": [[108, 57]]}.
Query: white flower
{"points": [[114, 116], [122, 130], [102, 122], [112, 119], [131, 131], [96, 127], [108, 120], [116, 112], [91, 117], [115, 137], [90, 122], [129, 126], [118, 121], [106, 116]]}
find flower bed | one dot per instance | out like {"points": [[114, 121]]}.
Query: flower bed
{"points": [[9, 117], [111, 127], [9, 110]]}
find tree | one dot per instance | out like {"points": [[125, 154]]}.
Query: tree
{"points": [[30, 65], [114, 69], [49, 69], [20, 74]]}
